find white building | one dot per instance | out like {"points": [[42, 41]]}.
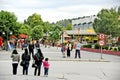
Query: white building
{"points": [[82, 28]]}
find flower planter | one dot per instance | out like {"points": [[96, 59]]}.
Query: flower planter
{"points": [[103, 51]]}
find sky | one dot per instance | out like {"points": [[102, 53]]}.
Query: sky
{"points": [[55, 10]]}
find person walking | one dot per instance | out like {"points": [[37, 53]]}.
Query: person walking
{"points": [[26, 59], [37, 45], [63, 49], [68, 46], [38, 57], [77, 49], [31, 48], [46, 67], [15, 60]]}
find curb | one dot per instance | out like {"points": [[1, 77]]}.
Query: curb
{"points": [[81, 60]]}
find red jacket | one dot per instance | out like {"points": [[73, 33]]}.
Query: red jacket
{"points": [[45, 64]]}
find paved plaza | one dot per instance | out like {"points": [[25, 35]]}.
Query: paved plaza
{"points": [[89, 67]]}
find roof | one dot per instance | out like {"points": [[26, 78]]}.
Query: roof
{"points": [[81, 32]]}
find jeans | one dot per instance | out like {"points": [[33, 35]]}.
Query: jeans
{"points": [[46, 71], [25, 69], [77, 52]]}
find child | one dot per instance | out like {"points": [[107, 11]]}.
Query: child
{"points": [[46, 67]]}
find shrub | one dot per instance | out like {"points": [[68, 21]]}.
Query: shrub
{"points": [[118, 48], [97, 46], [105, 47], [87, 46], [115, 49], [63, 44]]}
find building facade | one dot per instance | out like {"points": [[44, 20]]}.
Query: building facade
{"points": [[82, 29]]}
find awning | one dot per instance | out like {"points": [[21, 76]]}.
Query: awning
{"points": [[23, 36], [12, 36]]}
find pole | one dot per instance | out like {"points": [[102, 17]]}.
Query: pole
{"points": [[7, 41], [101, 53], [63, 53]]}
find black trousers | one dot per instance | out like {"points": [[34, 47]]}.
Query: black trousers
{"points": [[38, 68], [15, 65], [31, 51], [68, 52]]}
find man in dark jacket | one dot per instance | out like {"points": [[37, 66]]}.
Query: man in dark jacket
{"points": [[31, 48]]}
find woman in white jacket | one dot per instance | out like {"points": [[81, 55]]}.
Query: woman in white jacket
{"points": [[15, 60]]}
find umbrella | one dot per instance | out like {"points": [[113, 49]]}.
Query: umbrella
{"points": [[23, 36], [12, 36]]}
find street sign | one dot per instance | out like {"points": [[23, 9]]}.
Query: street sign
{"points": [[101, 42], [101, 36]]}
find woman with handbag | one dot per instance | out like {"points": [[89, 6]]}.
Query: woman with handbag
{"points": [[25, 60], [38, 57]]}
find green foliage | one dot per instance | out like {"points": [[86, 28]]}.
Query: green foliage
{"points": [[64, 23], [64, 44], [37, 32], [24, 29], [54, 34], [69, 26], [87, 46], [8, 23], [34, 20], [115, 49], [15, 30], [46, 27], [97, 46], [107, 22], [118, 48], [105, 47]]}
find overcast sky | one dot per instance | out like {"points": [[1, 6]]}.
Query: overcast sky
{"points": [[55, 10]]}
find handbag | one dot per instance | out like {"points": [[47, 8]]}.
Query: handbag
{"points": [[34, 65], [22, 63]]}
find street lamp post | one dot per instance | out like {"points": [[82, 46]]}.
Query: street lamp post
{"points": [[63, 44], [7, 32], [62, 38]]}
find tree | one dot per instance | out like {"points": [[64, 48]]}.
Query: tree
{"points": [[69, 26], [34, 20], [16, 29], [37, 32], [24, 29], [64, 22], [46, 27], [8, 23], [54, 34], [107, 22]]}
